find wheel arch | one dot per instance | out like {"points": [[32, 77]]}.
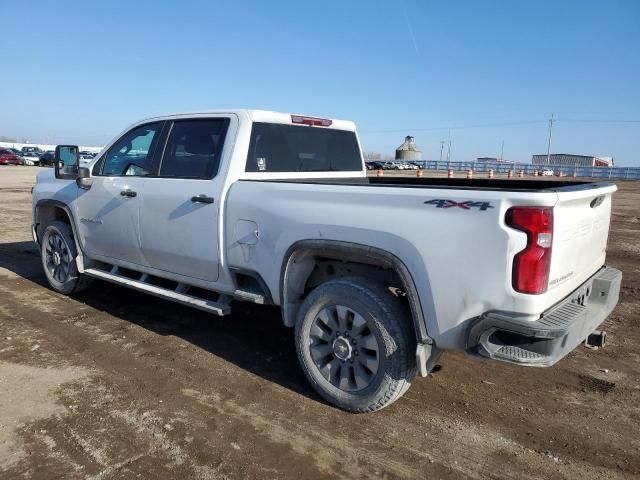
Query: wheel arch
{"points": [[302, 259], [48, 210]]}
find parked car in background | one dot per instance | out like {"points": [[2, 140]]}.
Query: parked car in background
{"points": [[46, 159], [546, 172], [30, 158], [18, 153], [36, 150], [7, 157], [400, 165], [375, 165], [392, 166], [85, 157]]}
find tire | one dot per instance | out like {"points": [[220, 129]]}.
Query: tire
{"points": [[378, 364], [58, 254]]}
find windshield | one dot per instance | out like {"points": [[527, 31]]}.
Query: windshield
{"points": [[292, 148]]}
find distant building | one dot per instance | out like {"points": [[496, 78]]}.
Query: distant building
{"points": [[408, 150], [569, 160], [492, 159]]}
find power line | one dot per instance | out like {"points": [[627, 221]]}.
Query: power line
{"points": [[458, 127], [573, 120], [501, 124]]}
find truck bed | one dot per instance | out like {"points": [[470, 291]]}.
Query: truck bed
{"points": [[454, 183], [405, 218]]}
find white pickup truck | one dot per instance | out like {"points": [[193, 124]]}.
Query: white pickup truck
{"points": [[378, 275]]}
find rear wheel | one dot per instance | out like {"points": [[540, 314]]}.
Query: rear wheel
{"points": [[355, 344], [58, 253]]}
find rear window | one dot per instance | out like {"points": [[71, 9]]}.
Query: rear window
{"points": [[295, 148]]}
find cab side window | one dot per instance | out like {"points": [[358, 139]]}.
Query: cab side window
{"points": [[194, 148], [132, 154]]}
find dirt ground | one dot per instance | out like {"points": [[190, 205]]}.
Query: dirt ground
{"points": [[113, 383]]}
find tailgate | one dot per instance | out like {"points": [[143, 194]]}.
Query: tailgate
{"points": [[581, 228]]}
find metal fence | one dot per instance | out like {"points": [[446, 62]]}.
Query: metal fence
{"points": [[618, 173]]}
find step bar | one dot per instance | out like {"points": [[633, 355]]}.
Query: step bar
{"points": [[180, 294]]}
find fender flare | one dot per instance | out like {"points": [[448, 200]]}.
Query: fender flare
{"points": [[64, 207], [362, 254]]}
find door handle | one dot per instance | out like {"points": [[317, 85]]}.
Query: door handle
{"points": [[128, 193], [201, 199]]}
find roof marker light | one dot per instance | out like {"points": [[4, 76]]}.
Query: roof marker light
{"points": [[313, 121]]}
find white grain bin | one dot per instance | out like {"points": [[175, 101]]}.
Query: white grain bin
{"points": [[408, 151]]}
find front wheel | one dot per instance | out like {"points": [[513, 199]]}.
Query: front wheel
{"points": [[58, 253], [355, 343]]}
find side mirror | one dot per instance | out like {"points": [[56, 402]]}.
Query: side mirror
{"points": [[65, 162], [84, 179]]}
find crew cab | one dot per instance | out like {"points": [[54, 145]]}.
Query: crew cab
{"points": [[377, 275]]}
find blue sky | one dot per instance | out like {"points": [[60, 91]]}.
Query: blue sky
{"points": [[82, 71]]}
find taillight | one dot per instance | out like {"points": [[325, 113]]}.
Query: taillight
{"points": [[531, 266], [318, 122]]}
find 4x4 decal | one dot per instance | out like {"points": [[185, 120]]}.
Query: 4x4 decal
{"points": [[468, 205]]}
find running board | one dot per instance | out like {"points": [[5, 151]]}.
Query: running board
{"points": [[220, 307]]}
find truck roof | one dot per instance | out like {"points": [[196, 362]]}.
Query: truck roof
{"points": [[255, 115]]}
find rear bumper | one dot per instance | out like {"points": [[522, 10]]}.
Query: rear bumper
{"points": [[560, 329]]}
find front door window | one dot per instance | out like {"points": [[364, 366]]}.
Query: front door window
{"points": [[132, 154]]}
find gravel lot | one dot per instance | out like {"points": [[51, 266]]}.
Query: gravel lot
{"points": [[112, 383]]}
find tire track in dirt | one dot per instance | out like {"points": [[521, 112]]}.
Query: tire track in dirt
{"points": [[456, 447], [175, 393]]}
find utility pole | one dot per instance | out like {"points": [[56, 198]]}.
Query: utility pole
{"points": [[549, 142], [441, 148], [502, 150], [449, 148]]}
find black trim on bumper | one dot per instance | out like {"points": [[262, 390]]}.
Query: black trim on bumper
{"points": [[559, 330]]}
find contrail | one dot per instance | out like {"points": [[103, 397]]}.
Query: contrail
{"points": [[413, 37]]}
